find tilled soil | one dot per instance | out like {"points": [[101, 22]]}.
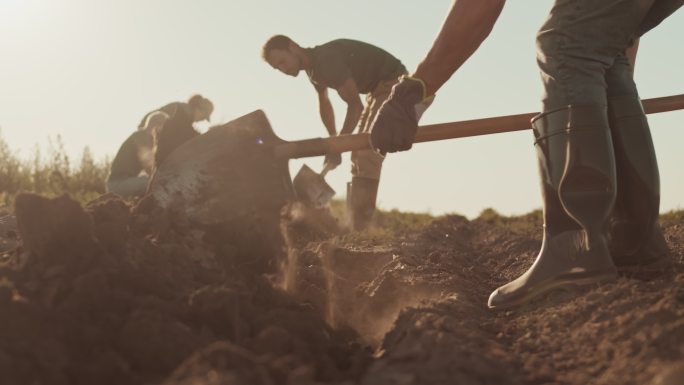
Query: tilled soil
{"points": [[626, 332], [115, 294]]}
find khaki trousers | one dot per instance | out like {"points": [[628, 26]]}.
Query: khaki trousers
{"points": [[368, 163]]}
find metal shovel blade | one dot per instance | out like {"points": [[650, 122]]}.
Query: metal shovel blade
{"points": [[226, 175], [311, 187]]}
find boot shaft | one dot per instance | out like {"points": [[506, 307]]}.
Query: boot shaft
{"points": [[638, 201], [576, 166], [636, 240], [361, 196], [577, 172]]}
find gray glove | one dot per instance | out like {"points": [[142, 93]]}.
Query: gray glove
{"points": [[394, 128]]}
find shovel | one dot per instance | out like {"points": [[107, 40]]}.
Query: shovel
{"points": [[237, 173], [311, 188]]}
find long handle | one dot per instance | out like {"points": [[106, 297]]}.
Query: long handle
{"points": [[434, 132], [325, 170]]}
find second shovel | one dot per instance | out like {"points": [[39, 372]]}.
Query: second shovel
{"points": [[311, 187]]}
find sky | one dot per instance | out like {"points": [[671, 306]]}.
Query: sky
{"points": [[88, 70]]}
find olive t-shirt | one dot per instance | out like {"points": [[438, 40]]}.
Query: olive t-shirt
{"points": [[170, 109], [176, 131], [334, 62], [127, 163]]}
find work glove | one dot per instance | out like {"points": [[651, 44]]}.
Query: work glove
{"points": [[395, 125], [332, 161]]}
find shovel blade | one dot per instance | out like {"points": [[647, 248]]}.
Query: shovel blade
{"points": [[226, 175], [311, 188]]}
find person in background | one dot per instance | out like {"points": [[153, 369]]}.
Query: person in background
{"points": [[179, 127], [134, 162], [352, 68], [198, 108]]}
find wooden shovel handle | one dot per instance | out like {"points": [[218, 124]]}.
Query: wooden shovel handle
{"points": [[442, 131]]}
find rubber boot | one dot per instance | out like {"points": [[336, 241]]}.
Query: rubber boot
{"points": [[361, 196], [577, 170], [637, 243]]}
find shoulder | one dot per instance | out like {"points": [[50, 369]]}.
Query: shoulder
{"points": [[172, 107], [326, 52], [169, 109], [329, 65], [348, 45]]}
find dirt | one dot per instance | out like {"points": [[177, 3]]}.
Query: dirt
{"points": [[113, 293]]}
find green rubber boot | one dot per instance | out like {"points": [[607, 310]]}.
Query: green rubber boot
{"points": [[637, 243], [577, 169]]}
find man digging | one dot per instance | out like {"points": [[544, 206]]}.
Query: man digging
{"points": [[597, 164], [134, 162], [158, 134], [351, 68]]}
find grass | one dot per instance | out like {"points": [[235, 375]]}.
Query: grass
{"points": [[386, 225], [54, 173], [531, 223], [520, 224], [51, 173], [675, 216]]}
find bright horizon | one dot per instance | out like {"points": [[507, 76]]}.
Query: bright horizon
{"points": [[89, 70]]}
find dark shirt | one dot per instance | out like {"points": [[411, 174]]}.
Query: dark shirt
{"points": [[128, 163], [170, 109], [334, 62], [658, 12], [176, 131]]}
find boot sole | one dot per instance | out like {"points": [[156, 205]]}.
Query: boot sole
{"points": [[559, 283]]}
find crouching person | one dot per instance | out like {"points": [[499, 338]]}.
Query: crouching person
{"points": [[134, 162]]}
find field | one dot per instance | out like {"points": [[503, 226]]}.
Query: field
{"points": [[107, 291]]}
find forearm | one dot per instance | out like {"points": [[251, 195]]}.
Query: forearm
{"points": [[351, 119], [467, 25], [327, 116]]}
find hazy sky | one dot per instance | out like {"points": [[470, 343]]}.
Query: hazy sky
{"points": [[88, 70]]}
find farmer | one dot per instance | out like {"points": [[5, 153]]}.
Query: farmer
{"points": [[160, 132], [597, 165], [197, 107], [179, 128], [134, 162], [351, 68]]}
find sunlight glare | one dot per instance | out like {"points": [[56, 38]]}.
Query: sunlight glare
{"points": [[19, 12], [7, 6]]}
